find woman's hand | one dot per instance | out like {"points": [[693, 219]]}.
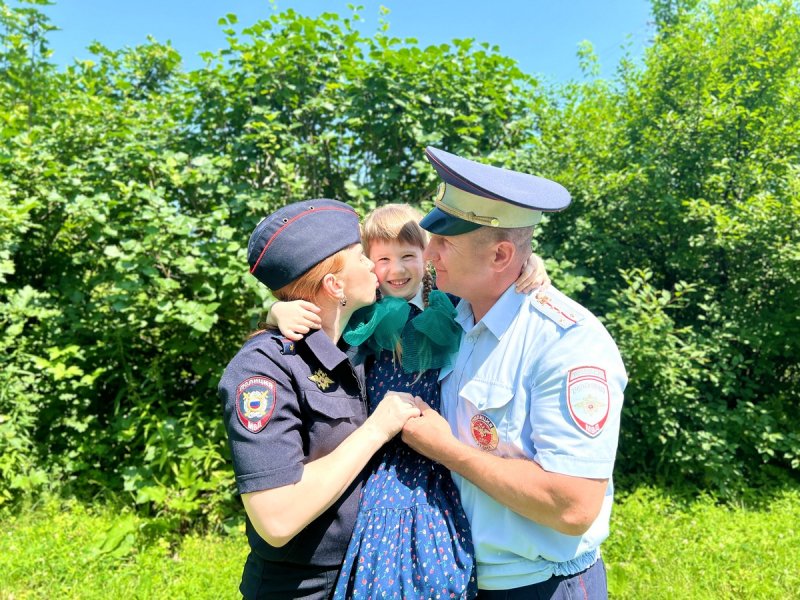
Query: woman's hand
{"points": [[533, 275], [279, 514], [295, 318], [392, 413]]}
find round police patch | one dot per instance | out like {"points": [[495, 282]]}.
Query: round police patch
{"points": [[588, 399], [255, 401], [484, 432]]}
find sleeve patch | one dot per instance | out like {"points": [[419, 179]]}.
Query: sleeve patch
{"points": [[255, 402], [588, 399]]}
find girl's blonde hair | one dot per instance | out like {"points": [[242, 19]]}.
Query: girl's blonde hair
{"points": [[397, 223], [393, 222]]}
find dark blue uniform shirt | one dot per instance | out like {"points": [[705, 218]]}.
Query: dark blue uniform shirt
{"points": [[287, 404]]}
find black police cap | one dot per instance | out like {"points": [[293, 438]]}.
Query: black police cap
{"points": [[294, 238]]}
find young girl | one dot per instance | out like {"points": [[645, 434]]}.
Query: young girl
{"points": [[411, 538]]}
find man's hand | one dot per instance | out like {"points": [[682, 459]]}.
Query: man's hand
{"points": [[392, 412], [429, 434]]}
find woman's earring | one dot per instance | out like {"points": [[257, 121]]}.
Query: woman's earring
{"points": [[343, 301]]}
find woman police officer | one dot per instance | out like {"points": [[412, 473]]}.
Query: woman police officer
{"points": [[296, 413]]}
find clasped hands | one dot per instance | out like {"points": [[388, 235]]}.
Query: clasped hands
{"points": [[426, 432]]}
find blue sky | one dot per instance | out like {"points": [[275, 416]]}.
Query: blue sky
{"points": [[543, 36]]}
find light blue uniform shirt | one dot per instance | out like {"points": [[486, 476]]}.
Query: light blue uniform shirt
{"points": [[540, 378]]}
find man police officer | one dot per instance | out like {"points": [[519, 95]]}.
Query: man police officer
{"points": [[531, 406]]}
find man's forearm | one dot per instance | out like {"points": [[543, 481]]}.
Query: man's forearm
{"points": [[564, 503]]}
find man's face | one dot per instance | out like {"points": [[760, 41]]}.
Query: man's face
{"points": [[459, 263]]}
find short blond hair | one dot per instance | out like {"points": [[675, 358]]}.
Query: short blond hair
{"points": [[393, 222]]}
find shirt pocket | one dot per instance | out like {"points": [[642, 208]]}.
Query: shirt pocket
{"points": [[486, 396], [488, 412], [330, 407], [330, 419], [490, 400]]}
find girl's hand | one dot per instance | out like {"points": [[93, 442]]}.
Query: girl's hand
{"points": [[533, 275], [392, 413], [294, 319]]}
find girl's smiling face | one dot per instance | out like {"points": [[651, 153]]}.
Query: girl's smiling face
{"points": [[399, 267]]}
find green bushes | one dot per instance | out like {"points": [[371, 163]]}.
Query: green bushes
{"points": [[128, 197], [686, 179], [128, 188]]}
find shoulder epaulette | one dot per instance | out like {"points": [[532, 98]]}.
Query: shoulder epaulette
{"points": [[557, 307], [287, 346]]}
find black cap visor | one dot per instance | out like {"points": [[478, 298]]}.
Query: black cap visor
{"points": [[439, 222]]}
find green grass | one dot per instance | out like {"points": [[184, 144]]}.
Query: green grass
{"points": [[70, 551], [660, 547], [663, 548]]}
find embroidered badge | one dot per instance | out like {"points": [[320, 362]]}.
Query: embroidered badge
{"points": [[588, 399], [484, 432], [255, 401], [321, 378]]}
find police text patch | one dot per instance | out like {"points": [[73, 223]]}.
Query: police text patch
{"points": [[588, 399], [255, 401]]}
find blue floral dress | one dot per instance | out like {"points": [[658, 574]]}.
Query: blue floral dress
{"points": [[411, 538]]}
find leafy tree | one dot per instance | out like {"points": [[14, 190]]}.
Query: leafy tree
{"points": [[128, 187], [687, 170], [129, 199]]}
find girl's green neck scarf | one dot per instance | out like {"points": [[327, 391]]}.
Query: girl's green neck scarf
{"points": [[428, 341]]}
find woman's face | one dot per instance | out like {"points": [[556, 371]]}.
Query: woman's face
{"points": [[358, 276], [399, 267]]}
